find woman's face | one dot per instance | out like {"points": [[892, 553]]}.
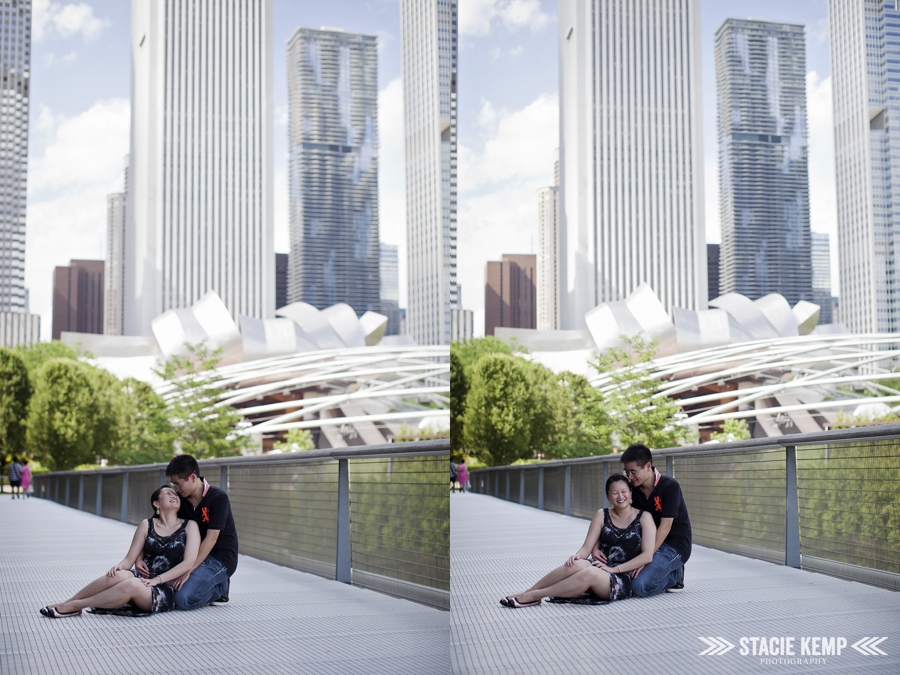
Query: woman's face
{"points": [[619, 494], [169, 498]]}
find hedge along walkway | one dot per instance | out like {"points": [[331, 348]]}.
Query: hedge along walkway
{"points": [[500, 548], [279, 620]]}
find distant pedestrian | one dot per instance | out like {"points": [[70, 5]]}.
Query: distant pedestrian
{"points": [[27, 487], [453, 475], [462, 474], [15, 477]]}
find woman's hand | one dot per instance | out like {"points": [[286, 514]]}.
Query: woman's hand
{"points": [[571, 560], [113, 571], [150, 583]]}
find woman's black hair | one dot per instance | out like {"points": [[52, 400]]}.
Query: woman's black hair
{"points": [[615, 478], [155, 496]]}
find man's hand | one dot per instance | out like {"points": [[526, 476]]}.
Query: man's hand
{"points": [[142, 568], [597, 554], [179, 582], [634, 573]]}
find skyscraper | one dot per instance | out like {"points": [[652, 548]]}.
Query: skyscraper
{"points": [[510, 293], [114, 277], [390, 287], [821, 275], [333, 169], [429, 36], [199, 203], [548, 258], [78, 298], [15, 52], [865, 79], [763, 160], [631, 156]]}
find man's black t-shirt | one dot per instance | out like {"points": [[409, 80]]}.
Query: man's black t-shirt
{"points": [[666, 502], [214, 513]]}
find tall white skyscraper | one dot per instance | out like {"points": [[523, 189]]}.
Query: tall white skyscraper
{"points": [[114, 274], [429, 36], [199, 203], [15, 42], [548, 258], [333, 167], [16, 325], [631, 155], [864, 51]]}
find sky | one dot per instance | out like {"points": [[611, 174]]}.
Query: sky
{"points": [[508, 124]]}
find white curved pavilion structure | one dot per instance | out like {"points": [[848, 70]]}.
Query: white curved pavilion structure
{"points": [[348, 396], [758, 360]]}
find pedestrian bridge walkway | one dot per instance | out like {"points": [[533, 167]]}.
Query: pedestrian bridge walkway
{"points": [[499, 547], [278, 621]]}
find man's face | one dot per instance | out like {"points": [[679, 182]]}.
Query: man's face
{"points": [[182, 486], [637, 473]]}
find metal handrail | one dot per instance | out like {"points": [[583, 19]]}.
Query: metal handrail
{"points": [[340, 489], [734, 487]]}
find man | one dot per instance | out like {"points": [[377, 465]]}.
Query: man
{"points": [[209, 580], [661, 496], [15, 477]]}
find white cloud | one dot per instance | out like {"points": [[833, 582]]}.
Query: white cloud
{"points": [[499, 181], [71, 56], [65, 19], [478, 17], [392, 176], [68, 181]]}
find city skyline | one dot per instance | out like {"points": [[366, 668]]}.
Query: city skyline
{"points": [[507, 121]]}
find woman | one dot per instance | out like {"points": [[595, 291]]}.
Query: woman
{"points": [[623, 534], [170, 547], [27, 488]]}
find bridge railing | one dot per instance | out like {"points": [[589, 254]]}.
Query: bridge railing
{"points": [[827, 502], [375, 516]]}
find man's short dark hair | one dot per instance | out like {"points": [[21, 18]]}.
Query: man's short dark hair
{"points": [[638, 453], [182, 466]]}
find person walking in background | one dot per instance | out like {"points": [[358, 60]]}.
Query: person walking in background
{"points": [[454, 475], [27, 488], [462, 475], [15, 477]]}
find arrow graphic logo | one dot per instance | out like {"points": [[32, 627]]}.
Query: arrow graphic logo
{"points": [[717, 646], [868, 646]]}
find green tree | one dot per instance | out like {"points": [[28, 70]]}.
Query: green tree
{"points": [[147, 434], [108, 425], [732, 430], [62, 415], [15, 395], [583, 418], [203, 428], [37, 354], [499, 415], [297, 440], [458, 390], [547, 403], [636, 415]]}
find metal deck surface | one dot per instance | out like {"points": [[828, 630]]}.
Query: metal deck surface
{"points": [[500, 548], [278, 621]]}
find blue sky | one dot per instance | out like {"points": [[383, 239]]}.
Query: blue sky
{"points": [[508, 123]]}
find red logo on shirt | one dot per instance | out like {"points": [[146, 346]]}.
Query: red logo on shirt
{"points": [[657, 504], [205, 511]]}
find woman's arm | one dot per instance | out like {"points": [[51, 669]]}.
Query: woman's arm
{"points": [[187, 564], [593, 534], [137, 545]]}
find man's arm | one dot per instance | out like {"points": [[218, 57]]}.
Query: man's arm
{"points": [[209, 541], [665, 526]]}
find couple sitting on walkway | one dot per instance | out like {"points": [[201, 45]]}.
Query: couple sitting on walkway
{"points": [[189, 552], [638, 546]]}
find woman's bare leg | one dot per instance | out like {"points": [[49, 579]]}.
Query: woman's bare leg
{"points": [[588, 578], [555, 576], [114, 596], [98, 585]]}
